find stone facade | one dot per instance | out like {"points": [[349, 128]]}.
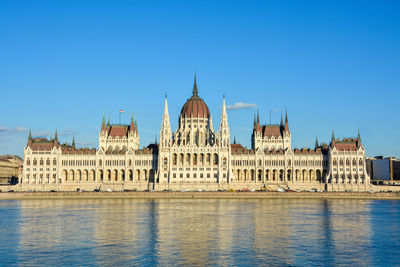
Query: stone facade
{"points": [[10, 168], [194, 157]]}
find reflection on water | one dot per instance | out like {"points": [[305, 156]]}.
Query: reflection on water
{"points": [[199, 232]]}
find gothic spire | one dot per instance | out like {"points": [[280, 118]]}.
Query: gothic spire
{"points": [[316, 143], [224, 127], [165, 133], [30, 135], [358, 139], [73, 142], [333, 139], [131, 126], [103, 123], [195, 91], [56, 136], [286, 122], [258, 117], [281, 122]]}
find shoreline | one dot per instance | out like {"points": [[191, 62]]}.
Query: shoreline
{"points": [[198, 195]]}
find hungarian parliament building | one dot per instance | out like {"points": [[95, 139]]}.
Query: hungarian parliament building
{"points": [[195, 157]]}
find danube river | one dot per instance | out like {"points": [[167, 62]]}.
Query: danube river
{"points": [[285, 232]]}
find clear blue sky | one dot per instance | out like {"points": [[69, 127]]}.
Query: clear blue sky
{"points": [[332, 64]]}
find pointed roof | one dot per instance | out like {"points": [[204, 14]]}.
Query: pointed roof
{"points": [[333, 139], [30, 134], [195, 107], [195, 90], [56, 135], [281, 121], [103, 123], [131, 127], [316, 142], [286, 122]]}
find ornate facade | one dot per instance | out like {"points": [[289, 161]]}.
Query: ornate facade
{"points": [[194, 157]]}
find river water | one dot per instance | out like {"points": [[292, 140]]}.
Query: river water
{"points": [[223, 232]]}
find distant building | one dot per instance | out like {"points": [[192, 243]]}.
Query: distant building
{"points": [[194, 157], [10, 168], [384, 168]]}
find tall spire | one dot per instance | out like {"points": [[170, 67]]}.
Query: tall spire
{"points": [[165, 133], [358, 139], [103, 123], [131, 128], [224, 127], [281, 121], [29, 138], [333, 139], [55, 141], [286, 123], [316, 143], [258, 117], [73, 142], [108, 121], [195, 91]]}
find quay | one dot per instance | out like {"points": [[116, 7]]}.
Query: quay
{"points": [[199, 195]]}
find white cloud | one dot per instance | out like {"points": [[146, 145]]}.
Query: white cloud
{"points": [[241, 105], [20, 129], [6, 130]]}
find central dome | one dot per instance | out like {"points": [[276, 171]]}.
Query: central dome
{"points": [[195, 107]]}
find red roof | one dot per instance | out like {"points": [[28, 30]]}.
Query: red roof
{"points": [[118, 130], [347, 146], [195, 107], [272, 130]]}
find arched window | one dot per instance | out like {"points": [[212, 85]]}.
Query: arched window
{"points": [[215, 159], [347, 162], [208, 159], [341, 162], [224, 161], [334, 162], [28, 162], [165, 161], [174, 159], [195, 159], [41, 161], [100, 162], [48, 161], [54, 162], [360, 162], [188, 159]]}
